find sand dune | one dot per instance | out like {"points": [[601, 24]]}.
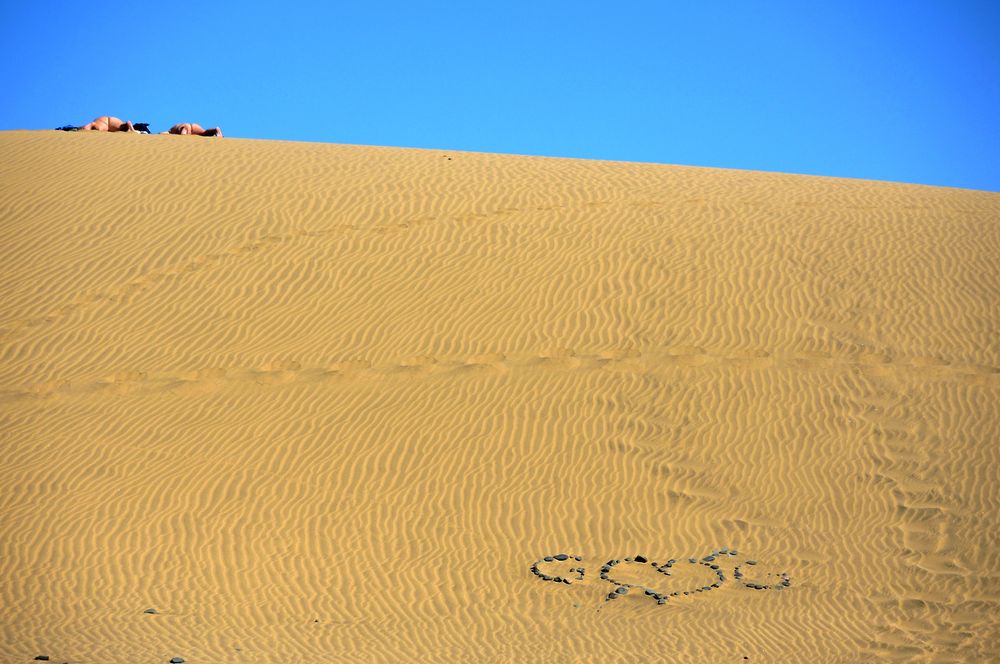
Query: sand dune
{"points": [[332, 403]]}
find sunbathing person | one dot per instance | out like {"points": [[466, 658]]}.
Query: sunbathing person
{"points": [[193, 129], [107, 123]]}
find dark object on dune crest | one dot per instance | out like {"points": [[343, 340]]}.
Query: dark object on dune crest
{"points": [[141, 127], [68, 128], [177, 660], [42, 658], [150, 611]]}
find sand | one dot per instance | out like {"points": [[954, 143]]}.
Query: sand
{"points": [[320, 403]]}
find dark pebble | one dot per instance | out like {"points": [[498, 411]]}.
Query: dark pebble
{"points": [[649, 592], [621, 590], [708, 559], [561, 557], [671, 561], [150, 611], [577, 558], [751, 562], [558, 579], [713, 567], [42, 658], [641, 559], [177, 660], [566, 581], [692, 561], [661, 601], [548, 559]]}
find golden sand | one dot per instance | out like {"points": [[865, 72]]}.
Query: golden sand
{"points": [[320, 403]]}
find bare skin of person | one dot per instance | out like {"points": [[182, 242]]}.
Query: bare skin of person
{"points": [[107, 123], [193, 129]]}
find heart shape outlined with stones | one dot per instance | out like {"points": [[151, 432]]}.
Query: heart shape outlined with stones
{"points": [[710, 561]]}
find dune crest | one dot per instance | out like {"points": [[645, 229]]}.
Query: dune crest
{"points": [[337, 403]]}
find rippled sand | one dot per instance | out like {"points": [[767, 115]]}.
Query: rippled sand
{"points": [[331, 403]]}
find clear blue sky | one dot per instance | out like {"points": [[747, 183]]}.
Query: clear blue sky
{"points": [[904, 90]]}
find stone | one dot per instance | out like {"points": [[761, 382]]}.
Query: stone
{"points": [[641, 559], [177, 660], [661, 601], [150, 611], [548, 559], [577, 559], [42, 658], [751, 562], [561, 557], [621, 590], [708, 559], [692, 561]]}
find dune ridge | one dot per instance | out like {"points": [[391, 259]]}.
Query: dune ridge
{"points": [[330, 403]]}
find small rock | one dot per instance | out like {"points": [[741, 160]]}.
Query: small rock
{"points": [[621, 590], [751, 562], [661, 601], [692, 561], [150, 611], [708, 559], [42, 658], [558, 579], [561, 557], [641, 559], [177, 660], [577, 558], [548, 559]]}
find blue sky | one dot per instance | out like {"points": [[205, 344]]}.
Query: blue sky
{"points": [[882, 89]]}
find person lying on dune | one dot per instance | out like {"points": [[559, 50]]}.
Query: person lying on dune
{"points": [[110, 123], [193, 129]]}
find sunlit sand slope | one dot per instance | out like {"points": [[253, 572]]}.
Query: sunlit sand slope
{"points": [[328, 403]]}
